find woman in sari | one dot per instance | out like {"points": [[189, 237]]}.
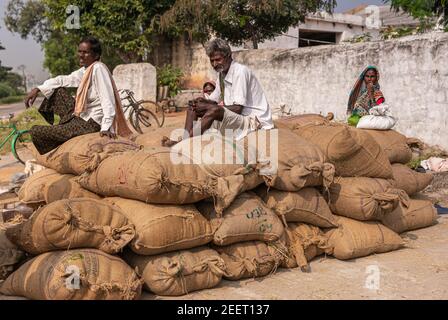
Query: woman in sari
{"points": [[365, 94]]}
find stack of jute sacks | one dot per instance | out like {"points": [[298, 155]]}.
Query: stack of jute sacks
{"points": [[124, 213], [370, 195]]}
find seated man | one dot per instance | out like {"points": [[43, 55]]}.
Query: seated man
{"points": [[97, 106], [238, 102]]}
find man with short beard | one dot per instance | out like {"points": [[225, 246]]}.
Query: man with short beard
{"points": [[238, 102]]}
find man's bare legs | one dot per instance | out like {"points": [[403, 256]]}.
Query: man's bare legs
{"points": [[207, 112]]}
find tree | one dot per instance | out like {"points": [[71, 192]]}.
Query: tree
{"points": [[9, 80], [423, 9], [238, 20]]}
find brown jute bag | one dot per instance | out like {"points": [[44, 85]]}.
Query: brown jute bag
{"points": [[394, 144], [410, 180], [10, 254], [246, 219], [419, 214], [164, 228], [365, 198], [178, 273], [355, 239], [74, 223], [353, 152], [306, 205], [83, 274], [300, 164], [169, 177], [83, 153], [249, 259]]}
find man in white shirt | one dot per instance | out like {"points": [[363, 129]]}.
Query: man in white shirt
{"points": [[99, 111], [238, 102]]}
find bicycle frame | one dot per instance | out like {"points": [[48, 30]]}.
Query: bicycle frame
{"points": [[11, 134]]}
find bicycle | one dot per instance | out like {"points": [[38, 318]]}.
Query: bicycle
{"points": [[140, 112], [20, 138]]}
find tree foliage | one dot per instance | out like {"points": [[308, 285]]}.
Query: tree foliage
{"points": [[423, 9], [238, 20]]}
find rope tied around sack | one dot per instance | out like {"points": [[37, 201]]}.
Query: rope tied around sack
{"points": [[111, 243], [315, 169]]}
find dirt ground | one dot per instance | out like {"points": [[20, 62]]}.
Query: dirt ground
{"points": [[418, 271]]}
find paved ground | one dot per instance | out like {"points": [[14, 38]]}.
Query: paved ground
{"points": [[6, 109], [418, 271]]}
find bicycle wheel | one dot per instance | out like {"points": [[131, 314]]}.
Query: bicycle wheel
{"points": [[133, 121], [20, 146], [146, 118], [155, 108]]}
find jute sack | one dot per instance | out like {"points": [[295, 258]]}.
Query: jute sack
{"points": [[419, 214], [365, 198], [295, 121], [306, 205], [410, 180], [83, 153], [300, 164], [394, 144], [249, 259], [74, 223], [152, 140], [170, 177], [32, 189], [67, 187], [246, 219], [178, 273], [305, 242], [53, 276], [353, 152], [10, 254], [355, 239], [164, 228]]}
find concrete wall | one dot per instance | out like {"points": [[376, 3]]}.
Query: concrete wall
{"points": [[414, 79]]}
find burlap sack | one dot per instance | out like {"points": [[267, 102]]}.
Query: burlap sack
{"points": [[170, 177], [353, 152], [178, 273], [301, 120], [249, 259], [306, 205], [67, 187], [305, 242], [355, 239], [246, 219], [84, 274], [300, 164], [152, 140], [32, 190], [83, 153], [164, 228], [419, 214], [75, 223], [410, 180], [10, 254], [365, 198], [394, 144]]}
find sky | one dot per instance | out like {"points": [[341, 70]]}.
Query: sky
{"points": [[28, 52]]}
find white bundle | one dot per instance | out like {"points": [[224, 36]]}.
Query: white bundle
{"points": [[379, 118]]}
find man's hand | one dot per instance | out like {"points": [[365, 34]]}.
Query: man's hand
{"points": [[201, 107], [108, 133], [31, 97]]}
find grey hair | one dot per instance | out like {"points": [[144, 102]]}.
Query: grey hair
{"points": [[218, 45]]}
